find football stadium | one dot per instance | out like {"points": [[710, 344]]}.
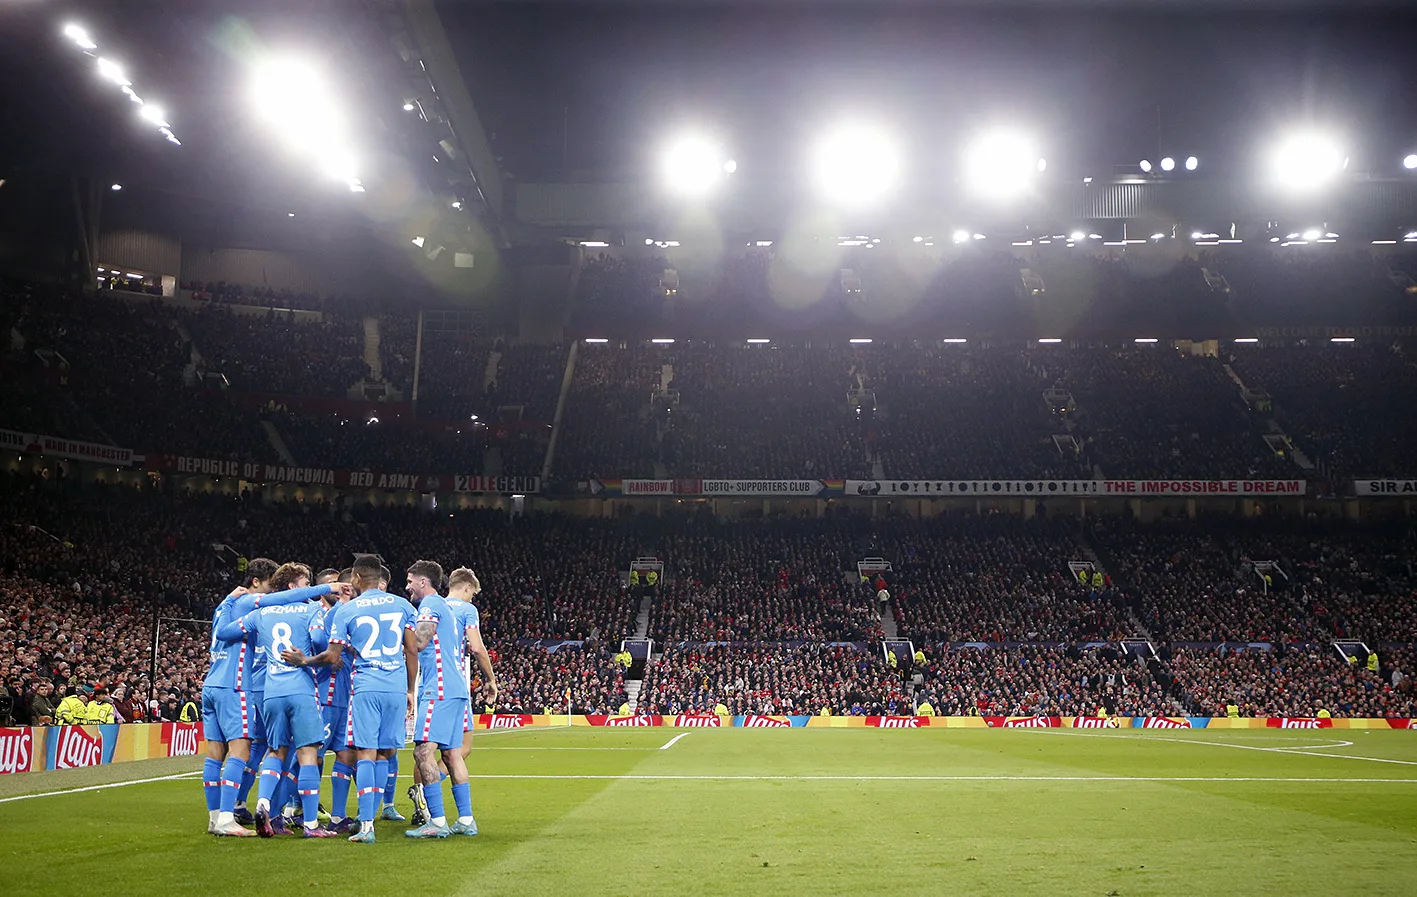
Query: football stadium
{"points": [[708, 447]]}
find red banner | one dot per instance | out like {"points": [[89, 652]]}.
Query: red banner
{"points": [[16, 750], [1094, 722], [503, 720], [686, 721], [1024, 722], [897, 722], [181, 739], [76, 748]]}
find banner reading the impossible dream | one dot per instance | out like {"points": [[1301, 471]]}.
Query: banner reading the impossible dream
{"points": [[1099, 488]]}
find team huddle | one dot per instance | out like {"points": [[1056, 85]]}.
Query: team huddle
{"points": [[300, 670]]}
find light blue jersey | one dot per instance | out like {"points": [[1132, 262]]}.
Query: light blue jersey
{"points": [[467, 617], [373, 626], [332, 686], [231, 662], [440, 664], [276, 629]]}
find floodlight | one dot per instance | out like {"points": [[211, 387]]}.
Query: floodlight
{"points": [[1146, 165], [1168, 164], [730, 166], [1410, 162], [408, 106], [154, 114], [961, 236], [294, 97], [1307, 161], [693, 165], [1077, 236], [110, 70], [1002, 163], [78, 35], [855, 164], [116, 187], [1192, 163]]}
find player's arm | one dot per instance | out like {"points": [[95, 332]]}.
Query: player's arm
{"points": [[331, 645], [237, 629], [478, 650], [296, 596], [425, 630], [410, 662]]}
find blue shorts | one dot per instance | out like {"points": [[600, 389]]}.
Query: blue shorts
{"points": [[293, 721], [256, 700], [440, 722], [378, 720], [226, 714], [336, 721]]}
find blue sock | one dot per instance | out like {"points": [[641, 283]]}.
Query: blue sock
{"points": [[309, 780], [270, 780], [211, 782], [391, 783], [248, 778], [462, 796], [381, 775], [291, 796], [368, 792], [434, 795], [442, 776], [340, 778], [231, 772]]}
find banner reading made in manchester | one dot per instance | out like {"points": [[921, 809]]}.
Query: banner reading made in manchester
{"points": [[1047, 488], [15, 441]]}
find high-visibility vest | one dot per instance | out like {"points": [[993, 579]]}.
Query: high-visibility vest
{"points": [[890, 659], [919, 658], [1097, 580], [98, 713], [1323, 714], [652, 577], [70, 711], [1372, 661], [624, 709], [827, 711], [634, 577], [1232, 711], [189, 713], [924, 709], [720, 710]]}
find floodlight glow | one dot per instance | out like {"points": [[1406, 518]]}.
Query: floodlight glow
{"points": [[1145, 339], [917, 239], [110, 70], [1410, 162], [662, 340], [596, 339], [1050, 339], [955, 339], [417, 241], [1002, 164], [296, 100], [961, 236], [1146, 165], [759, 340], [1341, 339], [1307, 161], [408, 107], [860, 339], [116, 187], [692, 166], [1192, 163], [1247, 339], [730, 166], [1312, 234], [855, 164], [1168, 164], [1196, 235], [154, 114], [79, 36]]}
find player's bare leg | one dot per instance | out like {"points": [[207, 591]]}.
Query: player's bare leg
{"points": [[425, 758]]}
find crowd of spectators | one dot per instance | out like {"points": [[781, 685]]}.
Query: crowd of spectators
{"points": [[1044, 681], [607, 429], [993, 579], [776, 580], [223, 293], [276, 353], [773, 679], [1329, 398], [533, 679], [1294, 680]]}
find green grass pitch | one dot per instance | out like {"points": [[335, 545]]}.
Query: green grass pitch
{"points": [[804, 811]]}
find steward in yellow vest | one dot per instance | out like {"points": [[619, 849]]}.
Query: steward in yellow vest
{"points": [[925, 709]]}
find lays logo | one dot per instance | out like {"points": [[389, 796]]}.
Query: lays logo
{"points": [[77, 748], [1305, 722], [1163, 722], [16, 750], [765, 722], [897, 722], [633, 721], [181, 739], [505, 720], [1094, 722], [1023, 722], [687, 721]]}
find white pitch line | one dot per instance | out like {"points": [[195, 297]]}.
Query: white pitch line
{"points": [[549, 748], [996, 778], [673, 741], [180, 775], [1300, 751]]}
